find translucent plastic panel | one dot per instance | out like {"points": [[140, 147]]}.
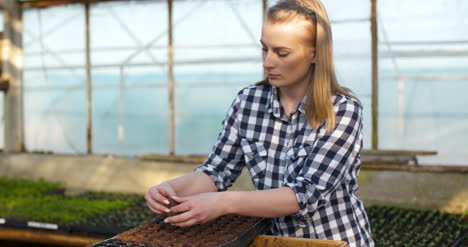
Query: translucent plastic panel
{"points": [[129, 32], [353, 57], [55, 118], [50, 33], [1, 22], [54, 93], [132, 121], [423, 78], [217, 53], [129, 57], [2, 122]]}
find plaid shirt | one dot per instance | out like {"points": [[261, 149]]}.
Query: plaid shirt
{"points": [[321, 168]]}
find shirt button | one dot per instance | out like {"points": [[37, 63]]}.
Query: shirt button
{"points": [[288, 143]]}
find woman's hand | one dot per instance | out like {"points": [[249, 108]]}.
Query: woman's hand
{"points": [[198, 209], [156, 197]]}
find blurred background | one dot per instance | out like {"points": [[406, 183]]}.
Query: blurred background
{"points": [[422, 73], [102, 99]]}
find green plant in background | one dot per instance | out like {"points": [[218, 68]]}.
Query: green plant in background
{"points": [[394, 226], [29, 200], [110, 196], [127, 218], [21, 187], [61, 210]]}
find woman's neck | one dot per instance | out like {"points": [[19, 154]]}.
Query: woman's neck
{"points": [[291, 97]]}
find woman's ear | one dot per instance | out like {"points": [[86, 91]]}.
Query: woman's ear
{"points": [[312, 58]]}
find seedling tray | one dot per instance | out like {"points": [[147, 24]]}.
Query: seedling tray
{"points": [[226, 231]]}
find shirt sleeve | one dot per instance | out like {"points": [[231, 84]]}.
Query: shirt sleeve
{"points": [[327, 161], [225, 162]]}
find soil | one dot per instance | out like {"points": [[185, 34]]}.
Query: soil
{"points": [[213, 233]]}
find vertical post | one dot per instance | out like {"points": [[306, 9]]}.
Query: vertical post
{"points": [[89, 94], [171, 81], [264, 7], [12, 71], [375, 79]]}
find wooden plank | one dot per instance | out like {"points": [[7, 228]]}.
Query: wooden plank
{"points": [[192, 159], [46, 237], [201, 158], [413, 168], [398, 152], [275, 241], [366, 164]]}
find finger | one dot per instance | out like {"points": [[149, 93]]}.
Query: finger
{"points": [[188, 223], [168, 191], [153, 209], [179, 218], [155, 205], [181, 199], [158, 197], [184, 207]]}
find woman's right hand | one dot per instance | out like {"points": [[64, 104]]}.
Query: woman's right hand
{"points": [[157, 197]]}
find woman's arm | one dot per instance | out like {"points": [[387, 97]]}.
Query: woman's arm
{"points": [[193, 183], [263, 203]]}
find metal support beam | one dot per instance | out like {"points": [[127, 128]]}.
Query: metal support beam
{"points": [[170, 62], [89, 93], [12, 71], [375, 79], [4, 85], [264, 7]]}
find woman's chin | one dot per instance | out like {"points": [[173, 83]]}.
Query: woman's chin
{"points": [[276, 83]]}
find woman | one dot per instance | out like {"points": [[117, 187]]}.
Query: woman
{"points": [[299, 133]]}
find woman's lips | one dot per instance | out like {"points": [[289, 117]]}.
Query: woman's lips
{"points": [[273, 76]]}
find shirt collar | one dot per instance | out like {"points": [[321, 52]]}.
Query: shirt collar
{"points": [[274, 105]]}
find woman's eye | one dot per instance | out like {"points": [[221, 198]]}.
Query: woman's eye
{"points": [[264, 49], [283, 54]]}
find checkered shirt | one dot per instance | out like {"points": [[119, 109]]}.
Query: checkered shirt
{"points": [[320, 167]]}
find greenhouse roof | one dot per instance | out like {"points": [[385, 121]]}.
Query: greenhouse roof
{"points": [[49, 3]]}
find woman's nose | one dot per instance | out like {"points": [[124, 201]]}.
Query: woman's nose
{"points": [[268, 60]]}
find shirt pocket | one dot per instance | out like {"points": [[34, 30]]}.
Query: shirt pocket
{"points": [[295, 158], [255, 156]]}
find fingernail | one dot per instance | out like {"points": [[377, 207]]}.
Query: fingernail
{"points": [[165, 221], [167, 210], [174, 197], [166, 201]]}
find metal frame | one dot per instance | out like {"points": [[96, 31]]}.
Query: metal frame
{"points": [[12, 75], [375, 76]]}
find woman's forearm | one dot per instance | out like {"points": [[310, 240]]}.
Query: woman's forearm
{"points": [[262, 203], [193, 183]]}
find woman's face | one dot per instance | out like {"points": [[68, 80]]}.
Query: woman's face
{"points": [[287, 53]]}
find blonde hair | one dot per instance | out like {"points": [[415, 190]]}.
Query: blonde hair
{"points": [[324, 84]]}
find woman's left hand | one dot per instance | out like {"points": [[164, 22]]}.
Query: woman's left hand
{"points": [[197, 209]]}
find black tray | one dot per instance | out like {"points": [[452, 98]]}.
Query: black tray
{"points": [[34, 225]]}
